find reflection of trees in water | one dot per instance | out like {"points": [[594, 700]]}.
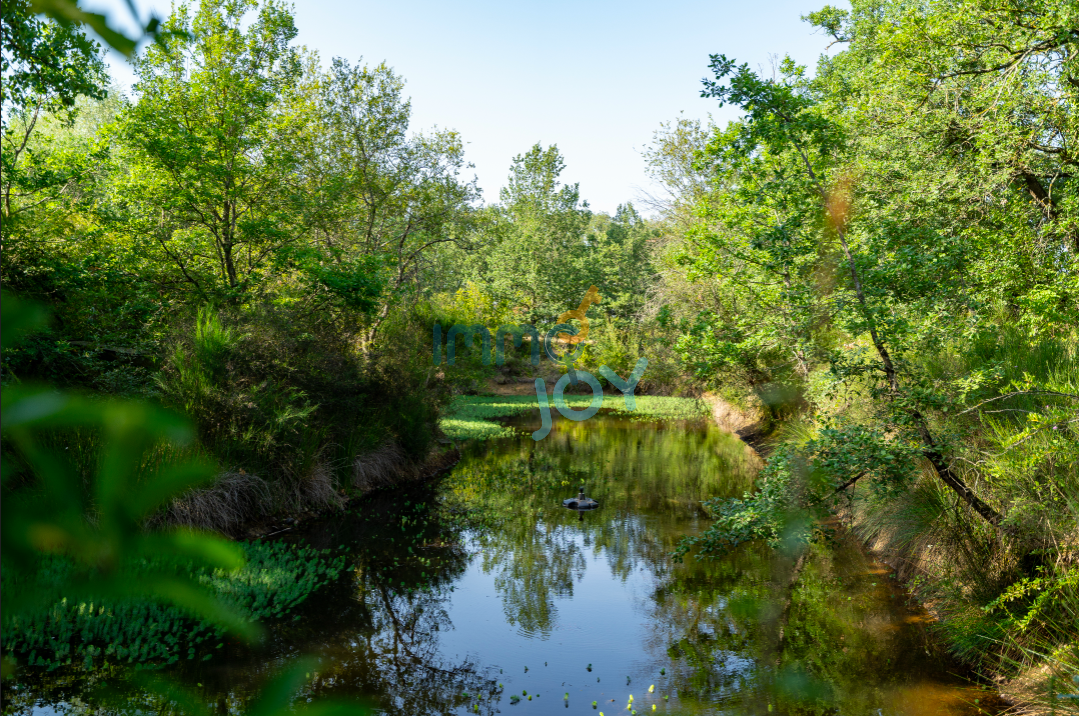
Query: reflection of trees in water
{"points": [[718, 623], [403, 588], [714, 624], [860, 650], [703, 624], [398, 658], [536, 548], [375, 643], [378, 633], [532, 568]]}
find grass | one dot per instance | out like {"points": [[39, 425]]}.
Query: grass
{"points": [[473, 417]]}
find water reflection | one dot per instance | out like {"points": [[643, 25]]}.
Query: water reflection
{"points": [[483, 586]]}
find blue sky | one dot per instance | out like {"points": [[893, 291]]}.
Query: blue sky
{"points": [[595, 78]]}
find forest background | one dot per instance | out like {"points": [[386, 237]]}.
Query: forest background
{"points": [[878, 262]]}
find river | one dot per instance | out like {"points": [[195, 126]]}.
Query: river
{"points": [[479, 593]]}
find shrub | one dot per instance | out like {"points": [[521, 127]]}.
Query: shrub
{"points": [[278, 394]]}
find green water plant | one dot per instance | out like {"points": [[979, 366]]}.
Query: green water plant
{"points": [[95, 539], [274, 580], [47, 512], [474, 417]]}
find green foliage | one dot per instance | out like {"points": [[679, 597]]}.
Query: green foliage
{"points": [[617, 349], [782, 212], [45, 63], [277, 398], [879, 250], [379, 199], [800, 485], [108, 581], [235, 410], [47, 511], [536, 239], [214, 201], [770, 513], [96, 630], [1044, 603], [68, 14], [356, 283]]}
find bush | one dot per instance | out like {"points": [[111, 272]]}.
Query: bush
{"points": [[277, 394]]}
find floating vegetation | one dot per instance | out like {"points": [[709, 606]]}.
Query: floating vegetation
{"points": [[276, 578], [473, 417]]}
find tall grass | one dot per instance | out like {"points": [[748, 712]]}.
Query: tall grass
{"points": [[1011, 421]]}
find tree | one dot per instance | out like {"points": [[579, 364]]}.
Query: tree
{"points": [[207, 183], [970, 103], [677, 165], [617, 260], [536, 239], [382, 201], [785, 119], [46, 68]]}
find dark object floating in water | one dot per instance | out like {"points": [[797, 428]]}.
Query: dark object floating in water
{"points": [[580, 502]]}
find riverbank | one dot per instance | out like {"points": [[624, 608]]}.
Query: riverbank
{"points": [[1032, 682], [553, 603]]}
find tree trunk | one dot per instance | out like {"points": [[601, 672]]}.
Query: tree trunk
{"points": [[931, 450]]}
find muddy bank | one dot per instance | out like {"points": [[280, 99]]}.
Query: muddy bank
{"points": [[242, 506]]}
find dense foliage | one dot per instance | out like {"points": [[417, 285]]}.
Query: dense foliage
{"points": [[274, 579], [879, 259], [883, 257]]}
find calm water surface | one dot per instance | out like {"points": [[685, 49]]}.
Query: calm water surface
{"points": [[467, 593]]}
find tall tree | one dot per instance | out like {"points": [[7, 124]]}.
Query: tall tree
{"points": [[617, 260], [962, 115], [808, 231], [383, 200], [207, 185], [537, 238]]}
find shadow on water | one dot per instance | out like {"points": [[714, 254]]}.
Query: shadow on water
{"points": [[481, 594]]}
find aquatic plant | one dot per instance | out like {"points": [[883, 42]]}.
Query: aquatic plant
{"points": [[274, 580], [472, 417]]}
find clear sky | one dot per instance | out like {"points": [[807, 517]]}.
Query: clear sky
{"points": [[595, 78]]}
